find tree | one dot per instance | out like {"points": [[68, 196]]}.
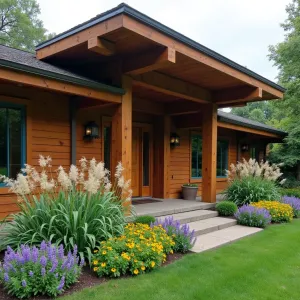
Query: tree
{"points": [[286, 56], [20, 26]]}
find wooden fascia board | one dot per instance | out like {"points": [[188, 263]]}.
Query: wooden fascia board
{"points": [[237, 95], [158, 37], [81, 37], [171, 86], [54, 85], [150, 61], [249, 130], [101, 46]]}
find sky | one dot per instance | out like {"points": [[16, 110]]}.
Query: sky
{"points": [[238, 29]]}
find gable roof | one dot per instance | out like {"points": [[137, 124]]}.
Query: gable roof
{"points": [[27, 62], [131, 12], [237, 120]]}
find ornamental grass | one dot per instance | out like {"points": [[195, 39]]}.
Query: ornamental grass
{"points": [[280, 212], [140, 249]]}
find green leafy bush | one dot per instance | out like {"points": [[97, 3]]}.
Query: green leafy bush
{"points": [[190, 184], [226, 208], [290, 192], [245, 190], [145, 220], [141, 249], [45, 270]]}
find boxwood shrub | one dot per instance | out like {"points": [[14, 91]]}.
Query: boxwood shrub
{"points": [[226, 208]]}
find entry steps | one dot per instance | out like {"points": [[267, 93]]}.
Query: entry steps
{"points": [[211, 230]]}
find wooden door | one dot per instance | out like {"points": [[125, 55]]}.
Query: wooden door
{"points": [[136, 162]]}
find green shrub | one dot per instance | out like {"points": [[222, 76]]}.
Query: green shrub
{"points": [[226, 208], [145, 220], [290, 192], [141, 249], [190, 184], [251, 189]]}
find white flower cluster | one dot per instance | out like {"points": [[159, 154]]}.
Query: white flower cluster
{"points": [[254, 169], [90, 176]]}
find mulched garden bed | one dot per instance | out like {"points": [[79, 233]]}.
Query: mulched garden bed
{"points": [[87, 279]]}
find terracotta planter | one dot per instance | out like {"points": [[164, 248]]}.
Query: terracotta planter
{"points": [[189, 192]]}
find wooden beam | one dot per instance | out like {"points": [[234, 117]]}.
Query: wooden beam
{"points": [[101, 46], [122, 132], [237, 95], [171, 86], [150, 61], [209, 154], [232, 105], [183, 108], [161, 180], [81, 37], [158, 37], [247, 129], [58, 86], [147, 106]]}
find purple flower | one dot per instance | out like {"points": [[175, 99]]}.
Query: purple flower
{"points": [[43, 246], [61, 251], [43, 261], [30, 273], [54, 266], [61, 284], [294, 203], [43, 271], [6, 277], [81, 262], [35, 254], [253, 216], [24, 283]]}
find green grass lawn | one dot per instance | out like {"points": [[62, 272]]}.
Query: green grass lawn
{"points": [[264, 266]]}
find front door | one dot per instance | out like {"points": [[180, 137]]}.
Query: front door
{"points": [[141, 179]]}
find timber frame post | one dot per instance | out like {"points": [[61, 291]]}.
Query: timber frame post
{"points": [[122, 131], [209, 153]]}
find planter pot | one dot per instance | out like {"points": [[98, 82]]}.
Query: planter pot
{"points": [[189, 192]]}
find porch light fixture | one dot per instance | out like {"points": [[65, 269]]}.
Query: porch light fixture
{"points": [[175, 140], [245, 147], [91, 131]]}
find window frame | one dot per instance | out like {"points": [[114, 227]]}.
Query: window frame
{"points": [[194, 133], [22, 109]]}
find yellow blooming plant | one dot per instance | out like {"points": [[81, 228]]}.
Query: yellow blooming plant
{"points": [[140, 249], [280, 212]]}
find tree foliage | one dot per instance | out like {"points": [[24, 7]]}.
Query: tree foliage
{"points": [[20, 26]]}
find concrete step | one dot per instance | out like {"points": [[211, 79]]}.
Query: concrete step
{"points": [[210, 225], [192, 216], [222, 237]]}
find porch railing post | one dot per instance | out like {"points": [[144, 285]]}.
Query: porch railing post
{"points": [[209, 153]]}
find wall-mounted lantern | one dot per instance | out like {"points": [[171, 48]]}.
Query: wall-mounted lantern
{"points": [[174, 140], [244, 147], [91, 131]]}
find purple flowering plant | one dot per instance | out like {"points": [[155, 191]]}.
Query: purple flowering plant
{"points": [[183, 237], [294, 202], [252, 216], [43, 270]]}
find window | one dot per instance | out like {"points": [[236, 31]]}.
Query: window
{"points": [[222, 157], [12, 140], [107, 146]]}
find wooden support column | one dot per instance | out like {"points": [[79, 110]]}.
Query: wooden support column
{"points": [[73, 106], [209, 153], [161, 180], [122, 131]]}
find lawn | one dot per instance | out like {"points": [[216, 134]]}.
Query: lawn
{"points": [[264, 266]]}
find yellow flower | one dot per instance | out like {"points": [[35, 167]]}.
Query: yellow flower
{"points": [[152, 264], [113, 270], [95, 269], [95, 262], [104, 252], [136, 271], [103, 264], [171, 252], [95, 251], [143, 268]]}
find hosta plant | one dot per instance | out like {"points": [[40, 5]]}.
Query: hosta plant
{"points": [[140, 249], [43, 270], [280, 212], [183, 237], [252, 216], [79, 207]]}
